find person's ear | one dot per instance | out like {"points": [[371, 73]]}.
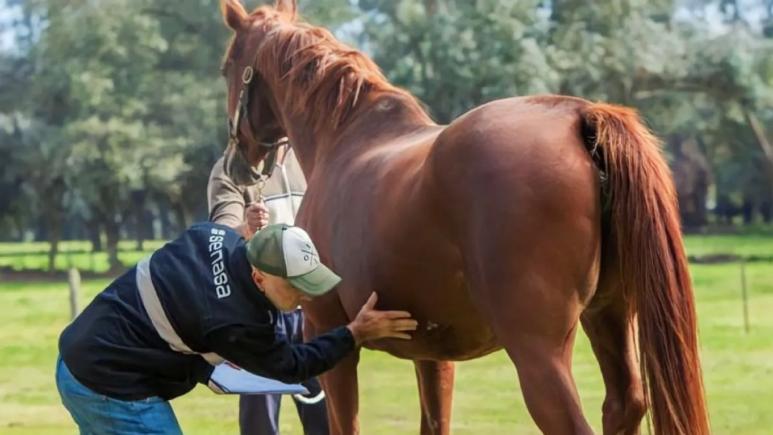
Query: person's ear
{"points": [[257, 276]]}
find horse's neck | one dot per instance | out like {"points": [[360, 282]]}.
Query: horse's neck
{"points": [[384, 118]]}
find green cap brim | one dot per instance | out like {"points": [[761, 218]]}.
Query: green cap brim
{"points": [[317, 282]]}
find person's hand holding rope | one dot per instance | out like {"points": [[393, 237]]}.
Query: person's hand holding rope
{"points": [[256, 217]]}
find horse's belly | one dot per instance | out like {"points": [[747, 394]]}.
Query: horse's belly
{"points": [[438, 296], [398, 249], [444, 336]]}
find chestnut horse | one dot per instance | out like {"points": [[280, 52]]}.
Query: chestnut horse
{"points": [[505, 229]]}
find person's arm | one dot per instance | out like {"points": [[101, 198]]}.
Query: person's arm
{"points": [[257, 349], [227, 206]]}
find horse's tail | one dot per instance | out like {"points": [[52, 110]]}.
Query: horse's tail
{"points": [[644, 230]]}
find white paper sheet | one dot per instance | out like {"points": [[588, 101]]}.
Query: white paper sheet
{"points": [[228, 379]]}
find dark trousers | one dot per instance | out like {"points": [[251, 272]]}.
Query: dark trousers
{"points": [[259, 414]]}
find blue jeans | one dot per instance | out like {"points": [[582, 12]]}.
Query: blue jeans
{"points": [[259, 414], [98, 414]]}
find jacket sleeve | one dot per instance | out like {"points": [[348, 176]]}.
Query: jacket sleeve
{"points": [[225, 199], [259, 350]]}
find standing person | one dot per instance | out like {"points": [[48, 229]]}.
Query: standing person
{"points": [[240, 207], [206, 297]]}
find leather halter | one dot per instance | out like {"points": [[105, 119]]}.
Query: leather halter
{"points": [[242, 111]]}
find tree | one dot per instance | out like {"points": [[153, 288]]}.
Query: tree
{"points": [[457, 54], [689, 76], [113, 112]]}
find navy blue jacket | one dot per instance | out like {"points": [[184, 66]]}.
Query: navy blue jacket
{"points": [[113, 348]]}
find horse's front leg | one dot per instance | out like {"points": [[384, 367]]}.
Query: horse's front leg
{"points": [[436, 387], [341, 390]]}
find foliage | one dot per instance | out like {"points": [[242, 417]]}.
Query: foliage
{"points": [[695, 69], [112, 112]]}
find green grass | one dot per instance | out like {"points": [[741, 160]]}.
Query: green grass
{"points": [[738, 370], [744, 245]]}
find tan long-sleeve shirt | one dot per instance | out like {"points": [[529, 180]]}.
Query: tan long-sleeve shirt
{"points": [[282, 193]]}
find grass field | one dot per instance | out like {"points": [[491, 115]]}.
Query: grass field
{"points": [[738, 367]]}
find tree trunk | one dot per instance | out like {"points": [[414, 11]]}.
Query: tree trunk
{"points": [[53, 250], [112, 230], [748, 211], [766, 211], [95, 235], [692, 176], [166, 222], [138, 201], [53, 224], [767, 150], [181, 215], [54, 230], [762, 142]]}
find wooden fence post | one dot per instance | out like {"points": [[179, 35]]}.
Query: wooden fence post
{"points": [[744, 297], [74, 279]]}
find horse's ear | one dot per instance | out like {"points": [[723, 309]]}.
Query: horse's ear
{"points": [[234, 14], [290, 7]]}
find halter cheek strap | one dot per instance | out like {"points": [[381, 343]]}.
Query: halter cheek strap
{"points": [[241, 106], [242, 111]]}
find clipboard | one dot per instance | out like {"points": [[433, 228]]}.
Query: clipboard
{"points": [[227, 378]]}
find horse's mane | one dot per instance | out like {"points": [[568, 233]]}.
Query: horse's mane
{"points": [[319, 72]]}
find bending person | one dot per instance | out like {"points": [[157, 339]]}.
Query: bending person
{"points": [[155, 332]]}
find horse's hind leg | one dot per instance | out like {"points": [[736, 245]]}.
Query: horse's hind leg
{"points": [[436, 386], [535, 312], [544, 370], [611, 333], [533, 283]]}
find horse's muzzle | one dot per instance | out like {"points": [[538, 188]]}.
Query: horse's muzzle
{"points": [[238, 169]]}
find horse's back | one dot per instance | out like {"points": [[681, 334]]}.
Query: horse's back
{"points": [[526, 145], [538, 126]]}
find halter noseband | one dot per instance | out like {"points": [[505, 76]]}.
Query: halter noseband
{"points": [[242, 108]]}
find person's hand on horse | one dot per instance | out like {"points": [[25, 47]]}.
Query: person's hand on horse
{"points": [[256, 216], [371, 324]]}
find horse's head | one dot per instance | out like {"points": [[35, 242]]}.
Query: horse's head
{"points": [[254, 127], [290, 78]]}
